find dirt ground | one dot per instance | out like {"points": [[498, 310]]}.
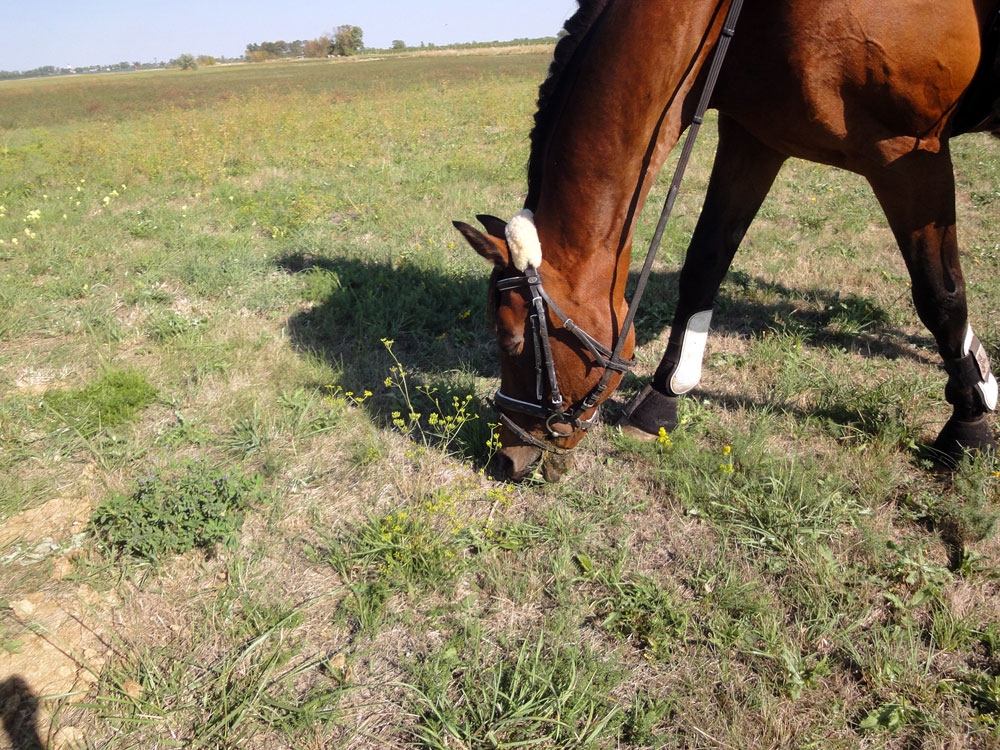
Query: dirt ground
{"points": [[56, 642]]}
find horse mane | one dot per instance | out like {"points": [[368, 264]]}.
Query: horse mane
{"points": [[551, 92]]}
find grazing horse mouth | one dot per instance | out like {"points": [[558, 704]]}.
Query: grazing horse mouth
{"points": [[524, 455], [560, 421], [520, 462]]}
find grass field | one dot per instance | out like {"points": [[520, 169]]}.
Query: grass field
{"points": [[243, 429]]}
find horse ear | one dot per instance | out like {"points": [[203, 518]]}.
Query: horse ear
{"points": [[490, 246], [494, 227]]}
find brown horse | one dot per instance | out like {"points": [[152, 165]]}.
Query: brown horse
{"points": [[873, 86]]}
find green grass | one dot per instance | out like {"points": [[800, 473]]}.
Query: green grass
{"points": [[529, 693], [111, 400], [242, 339]]}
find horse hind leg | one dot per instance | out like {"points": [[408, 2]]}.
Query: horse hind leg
{"points": [[742, 175], [918, 197]]}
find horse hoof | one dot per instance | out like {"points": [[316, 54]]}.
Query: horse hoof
{"points": [[958, 437], [647, 412]]}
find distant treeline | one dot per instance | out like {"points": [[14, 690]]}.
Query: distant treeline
{"points": [[486, 45], [280, 50], [49, 70]]}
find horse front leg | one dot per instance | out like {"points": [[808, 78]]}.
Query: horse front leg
{"points": [[742, 174], [918, 197]]}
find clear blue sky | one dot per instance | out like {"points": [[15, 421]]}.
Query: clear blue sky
{"points": [[100, 32]]}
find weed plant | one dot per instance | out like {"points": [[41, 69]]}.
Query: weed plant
{"points": [[172, 512]]}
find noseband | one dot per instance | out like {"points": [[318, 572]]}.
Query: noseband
{"points": [[554, 411]]}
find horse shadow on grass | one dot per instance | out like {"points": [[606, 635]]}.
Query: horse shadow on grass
{"points": [[19, 713], [437, 324], [748, 307], [412, 336]]}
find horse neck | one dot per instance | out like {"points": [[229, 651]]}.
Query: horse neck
{"points": [[624, 100]]}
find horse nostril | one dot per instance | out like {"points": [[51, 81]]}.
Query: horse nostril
{"points": [[514, 463]]}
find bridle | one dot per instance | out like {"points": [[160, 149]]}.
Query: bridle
{"points": [[555, 412]]}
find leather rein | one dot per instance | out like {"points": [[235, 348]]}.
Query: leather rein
{"points": [[555, 412]]}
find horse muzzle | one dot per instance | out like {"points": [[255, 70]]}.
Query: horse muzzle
{"points": [[524, 454], [523, 461]]}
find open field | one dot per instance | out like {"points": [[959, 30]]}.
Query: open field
{"points": [[243, 372]]}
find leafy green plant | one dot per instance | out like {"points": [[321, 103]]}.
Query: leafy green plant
{"points": [[888, 717], [983, 692], [171, 512], [644, 721]]}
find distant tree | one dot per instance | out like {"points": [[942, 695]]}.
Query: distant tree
{"points": [[319, 47], [187, 62], [275, 50], [258, 52], [398, 44], [206, 60], [347, 40]]}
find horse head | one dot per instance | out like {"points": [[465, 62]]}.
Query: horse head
{"points": [[554, 369]]}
